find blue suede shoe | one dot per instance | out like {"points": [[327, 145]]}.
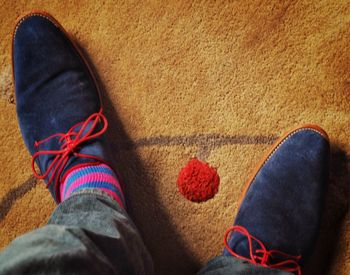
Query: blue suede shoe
{"points": [[58, 101], [279, 216]]}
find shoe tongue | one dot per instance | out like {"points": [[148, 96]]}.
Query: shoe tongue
{"points": [[93, 147], [240, 245]]}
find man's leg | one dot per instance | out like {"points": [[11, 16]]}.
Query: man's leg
{"points": [[89, 233], [61, 118], [279, 215]]}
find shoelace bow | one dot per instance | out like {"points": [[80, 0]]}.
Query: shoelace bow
{"points": [[69, 143], [262, 256]]}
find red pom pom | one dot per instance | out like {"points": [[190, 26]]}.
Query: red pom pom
{"points": [[197, 181]]}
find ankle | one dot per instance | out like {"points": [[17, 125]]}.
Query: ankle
{"points": [[93, 177]]}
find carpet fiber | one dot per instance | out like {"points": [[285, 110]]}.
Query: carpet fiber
{"points": [[215, 79]]}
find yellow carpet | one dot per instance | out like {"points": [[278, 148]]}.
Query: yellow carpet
{"points": [[211, 78]]}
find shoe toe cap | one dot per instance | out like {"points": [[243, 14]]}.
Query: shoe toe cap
{"points": [[40, 47]]}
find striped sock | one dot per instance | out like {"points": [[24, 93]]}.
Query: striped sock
{"points": [[99, 177]]}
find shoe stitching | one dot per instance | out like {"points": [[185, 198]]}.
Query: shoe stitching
{"points": [[31, 15], [282, 142]]}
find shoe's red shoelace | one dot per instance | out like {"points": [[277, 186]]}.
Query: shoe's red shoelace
{"points": [[69, 143], [262, 256]]}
